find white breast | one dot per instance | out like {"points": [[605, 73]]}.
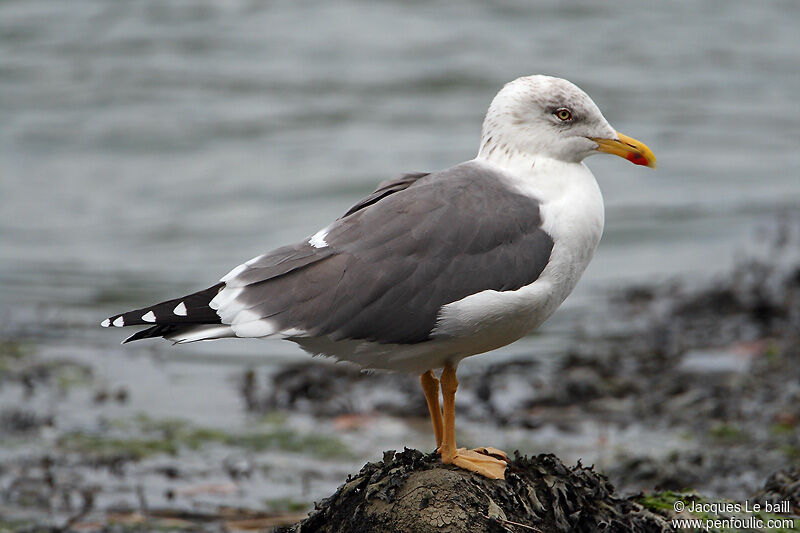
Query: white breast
{"points": [[573, 215]]}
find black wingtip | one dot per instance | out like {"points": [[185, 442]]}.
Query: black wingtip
{"points": [[159, 330], [166, 317], [143, 334]]}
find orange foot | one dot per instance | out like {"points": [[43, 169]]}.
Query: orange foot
{"points": [[492, 452], [486, 461]]}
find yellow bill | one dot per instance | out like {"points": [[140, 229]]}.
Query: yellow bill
{"points": [[629, 148]]}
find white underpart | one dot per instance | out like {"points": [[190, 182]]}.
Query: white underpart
{"points": [[180, 309], [318, 239], [149, 317], [255, 328], [119, 322], [201, 333]]}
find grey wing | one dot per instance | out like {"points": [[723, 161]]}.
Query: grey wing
{"points": [[198, 316], [387, 268], [385, 189]]}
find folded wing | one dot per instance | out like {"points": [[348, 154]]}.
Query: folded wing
{"points": [[382, 272]]}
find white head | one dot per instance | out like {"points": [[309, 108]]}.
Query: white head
{"points": [[551, 117]]}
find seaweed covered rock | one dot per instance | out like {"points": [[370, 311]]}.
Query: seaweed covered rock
{"points": [[413, 492], [781, 486]]}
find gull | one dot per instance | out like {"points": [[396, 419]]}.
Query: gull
{"points": [[432, 267]]}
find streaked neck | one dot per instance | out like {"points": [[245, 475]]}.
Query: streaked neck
{"points": [[521, 163]]}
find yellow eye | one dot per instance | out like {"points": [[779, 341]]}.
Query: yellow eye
{"points": [[563, 114]]}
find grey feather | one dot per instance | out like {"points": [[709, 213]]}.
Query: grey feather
{"points": [[395, 259]]}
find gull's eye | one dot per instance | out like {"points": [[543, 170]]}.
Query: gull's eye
{"points": [[563, 114]]}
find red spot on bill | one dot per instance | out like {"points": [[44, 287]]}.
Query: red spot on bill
{"points": [[637, 159]]}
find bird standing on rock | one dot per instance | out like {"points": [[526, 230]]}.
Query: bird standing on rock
{"points": [[432, 267]]}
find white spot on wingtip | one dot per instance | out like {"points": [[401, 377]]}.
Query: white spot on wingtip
{"points": [[119, 322], [149, 317], [318, 239], [180, 309], [233, 273], [105, 323]]}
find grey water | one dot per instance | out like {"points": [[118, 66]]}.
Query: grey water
{"points": [[147, 147]]}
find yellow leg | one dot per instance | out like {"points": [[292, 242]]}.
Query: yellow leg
{"points": [[480, 460], [430, 386]]}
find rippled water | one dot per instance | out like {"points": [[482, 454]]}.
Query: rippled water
{"points": [[147, 147]]}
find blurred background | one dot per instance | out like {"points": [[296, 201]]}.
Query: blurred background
{"points": [[147, 147]]}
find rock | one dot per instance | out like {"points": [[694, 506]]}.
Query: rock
{"points": [[413, 492], [782, 486]]}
